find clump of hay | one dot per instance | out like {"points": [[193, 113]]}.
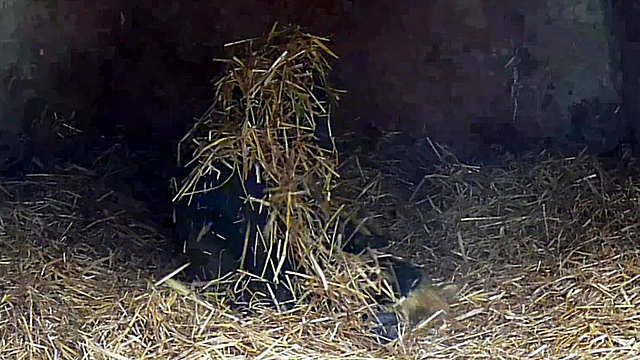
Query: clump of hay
{"points": [[265, 122]]}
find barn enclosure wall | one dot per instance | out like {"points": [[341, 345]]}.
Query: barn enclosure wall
{"points": [[469, 73]]}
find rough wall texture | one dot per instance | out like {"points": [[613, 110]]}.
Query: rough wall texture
{"points": [[449, 68], [8, 24], [443, 68], [10, 102], [433, 69]]}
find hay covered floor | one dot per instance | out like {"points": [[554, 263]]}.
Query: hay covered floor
{"points": [[543, 247]]}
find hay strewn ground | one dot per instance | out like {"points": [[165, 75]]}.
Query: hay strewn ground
{"points": [[544, 248]]}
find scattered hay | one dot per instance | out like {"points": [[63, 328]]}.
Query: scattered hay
{"points": [[544, 248], [77, 282]]}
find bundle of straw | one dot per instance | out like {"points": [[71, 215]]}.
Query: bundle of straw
{"points": [[264, 121]]}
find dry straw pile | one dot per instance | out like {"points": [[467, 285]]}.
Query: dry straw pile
{"points": [[264, 123], [543, 247]]}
